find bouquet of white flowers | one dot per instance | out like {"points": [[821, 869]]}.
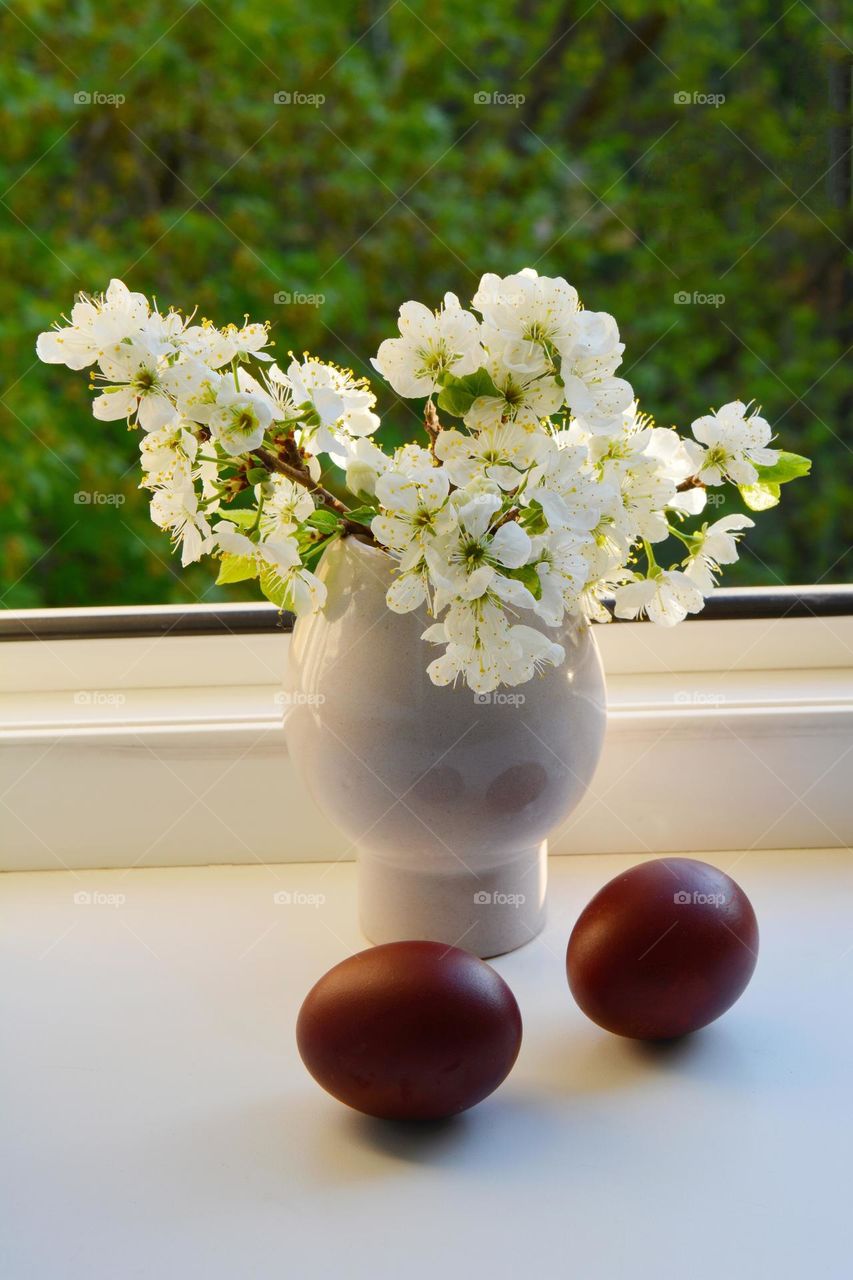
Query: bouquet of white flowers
{"points": [[538, 504]]}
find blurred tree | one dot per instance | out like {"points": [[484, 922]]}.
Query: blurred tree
{"points": [[611, 159]]}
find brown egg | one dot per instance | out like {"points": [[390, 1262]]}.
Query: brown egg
{"points": [[663, 949], [410, 1031]]}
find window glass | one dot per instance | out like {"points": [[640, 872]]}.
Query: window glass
{"points": [[689, 174]]}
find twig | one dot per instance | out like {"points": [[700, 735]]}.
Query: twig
{"points": [[300, 476], [432, 427], [507, 517]]}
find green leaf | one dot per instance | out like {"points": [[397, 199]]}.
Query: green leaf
{"points": [[257, 475], [458, 394], [528, 576], [761, 496], [324, 520], [242, 517], [533, 519], [236, 569], [273, 588], [362, 515], [788, 466]]}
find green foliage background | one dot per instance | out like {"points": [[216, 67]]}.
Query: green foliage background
{"points": [[200, 188]]}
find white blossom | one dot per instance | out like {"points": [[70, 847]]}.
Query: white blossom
{"points": [[594, 395], [175, 507], [666, 598], [143, 382], [526, 517], [249, 340], [365, 463], [502, 453], [414, 509], [163, 333], [522, 399], [736, 443], [564, 484], [238, 419], [286, 505], [678, 459], [413, 460], [466, 562], [96, 324], [715, 545], [431, 344], [562, 570], [645, 494], [526, 319], [161, 451], [589, 361], [343, 407], [208, 344], [483, 648]]}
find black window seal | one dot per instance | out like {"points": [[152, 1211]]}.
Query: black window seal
{"points": [[738, 603]]}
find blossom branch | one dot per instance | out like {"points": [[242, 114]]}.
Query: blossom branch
{"points": [[508, 516], [432, 426], [544, 503], [301, 476]]}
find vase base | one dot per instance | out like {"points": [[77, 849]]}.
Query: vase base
{"points": [[487, 913]]}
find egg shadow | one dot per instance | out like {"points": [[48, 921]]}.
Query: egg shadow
{"points": [[420, 1141], [512, 1127], [679, 1051], [595, 1062]]}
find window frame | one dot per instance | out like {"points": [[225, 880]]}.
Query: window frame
{"points": [[106, 622], [172, 717]]}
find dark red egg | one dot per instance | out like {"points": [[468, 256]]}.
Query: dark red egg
{"points": [[663, 949], [410, 1031]]}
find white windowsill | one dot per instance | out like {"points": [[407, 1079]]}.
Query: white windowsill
{"points": [[158, 1122], [169, 750]]}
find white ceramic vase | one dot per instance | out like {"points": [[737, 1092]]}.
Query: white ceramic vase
{"points": [[446, 796]]}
